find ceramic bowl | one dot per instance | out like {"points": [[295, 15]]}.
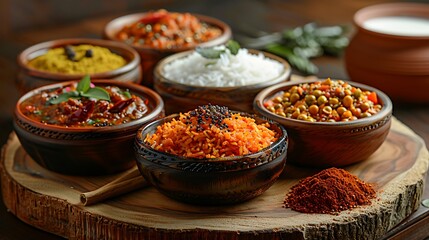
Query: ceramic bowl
{"points": [[182, 97], [29, 78], [211, 181], [85, 150], [395, 61], [150, 56], [330, 144]]}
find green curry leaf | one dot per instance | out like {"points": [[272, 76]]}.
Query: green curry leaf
{"points": [[209, 53], [84, 84], [97, 93], [126, 93], [64, 97], [299, 45], [213, 53], [233, 47], [83, 89]]}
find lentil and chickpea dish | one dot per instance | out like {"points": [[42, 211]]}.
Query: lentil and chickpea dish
{"points": [[211, 131], [72, 108], [324, 101], [168, 30]]}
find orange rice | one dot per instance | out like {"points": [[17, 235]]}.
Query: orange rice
{"points": [[211, 132]]}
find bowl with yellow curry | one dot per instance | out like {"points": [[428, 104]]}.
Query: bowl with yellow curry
{"points": [[70, 59]]}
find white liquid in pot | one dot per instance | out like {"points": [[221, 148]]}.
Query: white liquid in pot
{"points": [[399, 25]]}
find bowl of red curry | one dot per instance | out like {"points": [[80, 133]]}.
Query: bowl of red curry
{"points": [[211, 155], [84, 128], [159, 33], [331, 123]]}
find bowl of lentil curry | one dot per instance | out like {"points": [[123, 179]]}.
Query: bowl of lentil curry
{"points": [[84, 128], [331, 123], [70, 59], [211, 155], [157, 34]]}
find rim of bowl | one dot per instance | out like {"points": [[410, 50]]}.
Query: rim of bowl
{"points": [[284, 75], [112, 27], [283, 138], [129, 54], [391, 9], [270, 91], [134, 88]]}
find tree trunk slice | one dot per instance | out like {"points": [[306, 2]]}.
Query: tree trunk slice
{"points": [[50, 201]]}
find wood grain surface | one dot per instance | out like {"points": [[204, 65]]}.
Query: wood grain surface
{"points": [[51, 202]]}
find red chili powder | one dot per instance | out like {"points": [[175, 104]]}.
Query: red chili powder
{"points": [[329, 191]]}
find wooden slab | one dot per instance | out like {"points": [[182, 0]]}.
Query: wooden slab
{"points": [[50, 202]]}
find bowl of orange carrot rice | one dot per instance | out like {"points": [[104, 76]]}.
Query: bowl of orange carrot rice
{"points": [[211, 155]]}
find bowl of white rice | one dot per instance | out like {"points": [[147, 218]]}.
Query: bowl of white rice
{"points": [[189, 79]]}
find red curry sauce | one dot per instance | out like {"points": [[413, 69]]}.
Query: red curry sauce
{"points": [[123, 107]]}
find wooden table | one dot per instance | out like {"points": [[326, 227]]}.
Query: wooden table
{"points": [[263, 15]]}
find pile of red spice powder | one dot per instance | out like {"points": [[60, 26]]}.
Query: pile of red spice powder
{"points": [[329, 191]]}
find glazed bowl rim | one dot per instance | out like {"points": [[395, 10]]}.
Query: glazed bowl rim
{"points": [[110, 31], [140, 141], [134, 88], [131, 64], [385, 9], [385, 111], [284, 75]]}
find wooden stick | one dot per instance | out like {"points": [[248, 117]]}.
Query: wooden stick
{"points": [[129, 181]]}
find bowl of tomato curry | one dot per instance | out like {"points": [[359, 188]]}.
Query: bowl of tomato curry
{"points": [[84, 128]]}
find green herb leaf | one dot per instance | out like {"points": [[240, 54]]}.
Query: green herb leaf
{"points": [[212, 53], [209, 53], [64, 97], [302, 64], [233, 47], [84, 84], [83, 89], [127, 94], [298, 45], [97, 93]]}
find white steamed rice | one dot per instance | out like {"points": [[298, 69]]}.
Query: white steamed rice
{"points": [[228, 71]]}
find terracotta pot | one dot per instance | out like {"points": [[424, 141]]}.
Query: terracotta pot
{"points": [[396, 64], [150, 56], [29, 78]]}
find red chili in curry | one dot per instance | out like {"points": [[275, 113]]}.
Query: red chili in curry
{"points": [[123, 107]]}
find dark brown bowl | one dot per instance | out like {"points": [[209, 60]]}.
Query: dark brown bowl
{"points": [[180, 97], [395, 64], [150, 56], [211, 181], [85, 150], [29, 78], [330, 144]]}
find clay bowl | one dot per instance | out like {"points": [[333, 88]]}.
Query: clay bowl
{"points": [[29, 78], [151, 56], [181, 97], [216, 181], [330, 144], [85, 150], [396, 61]]}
